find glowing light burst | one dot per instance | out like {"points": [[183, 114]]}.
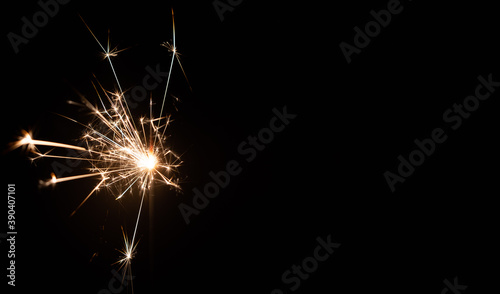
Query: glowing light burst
{"points": [[121, 155], [128, 253]]}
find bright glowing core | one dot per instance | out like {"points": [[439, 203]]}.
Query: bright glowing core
{"points": [[148, 162], [26, 140]]}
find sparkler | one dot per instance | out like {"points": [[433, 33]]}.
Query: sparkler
{"points": [[122, 155]]}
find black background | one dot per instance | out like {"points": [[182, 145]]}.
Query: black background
{"points": [[323, 175]]}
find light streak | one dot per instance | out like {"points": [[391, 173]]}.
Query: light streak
{"points": [[120, 154]]}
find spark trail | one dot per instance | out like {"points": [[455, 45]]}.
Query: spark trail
{"points": [[123, 156]]}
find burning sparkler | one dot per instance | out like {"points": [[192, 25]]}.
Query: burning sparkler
{"points": [[122, 155]]}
